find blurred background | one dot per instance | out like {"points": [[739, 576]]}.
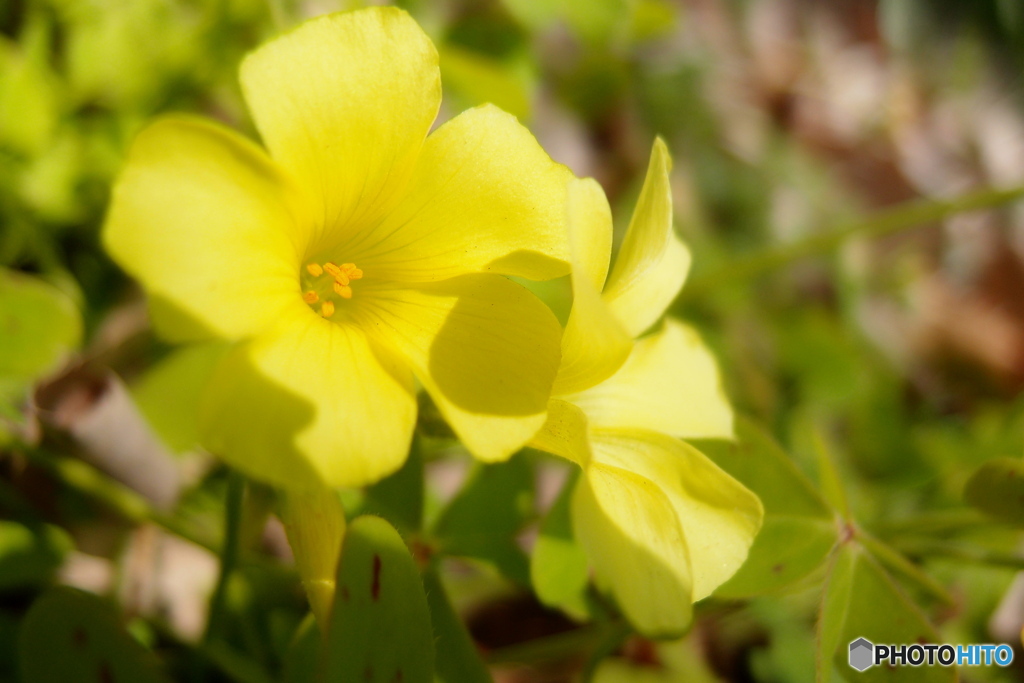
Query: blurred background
{"points": [[888, 361]]}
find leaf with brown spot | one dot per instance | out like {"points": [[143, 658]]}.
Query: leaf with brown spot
{"points": [[380, 632], [70, 635]]}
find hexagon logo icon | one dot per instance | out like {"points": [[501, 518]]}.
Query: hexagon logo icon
{"points": [[861, 654]]}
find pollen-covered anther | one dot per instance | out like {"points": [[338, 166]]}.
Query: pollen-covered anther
{"points": [[311, 297], [327, 309], [314, 269], [344, 291], [336, 272], [351, 271]]}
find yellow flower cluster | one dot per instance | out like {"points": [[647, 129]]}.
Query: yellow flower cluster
{"points": [[240, 243]]}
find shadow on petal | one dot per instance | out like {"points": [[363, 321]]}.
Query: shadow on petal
{"points": [[497, 351], [252, 422], [632, 536]]}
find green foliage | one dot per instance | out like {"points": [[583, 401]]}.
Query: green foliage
{"points": [[880, 420], [39, 327], [799, 527], [168, 394], [997, 489], [69, 635], [456, 659], [29, 556], [558, 565], [855, 592], [482, 520], [479, 80], [399, 498], [380, 627]]}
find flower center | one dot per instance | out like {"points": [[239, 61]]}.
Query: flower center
{"points": [[325, 284]]}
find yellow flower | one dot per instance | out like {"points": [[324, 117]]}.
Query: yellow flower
{"points": [[353, 258], [663, 526]]}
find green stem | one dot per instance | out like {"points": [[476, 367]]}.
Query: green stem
{"points": [[233, 664], [548, 647], [228, 555], [962, 553], [615, 636], [944, 522], [89, 481], [126, 503], [902, 217], [591, 640]]}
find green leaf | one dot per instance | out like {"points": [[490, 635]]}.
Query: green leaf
{"points": [[30, 97], [759, 463], [399, 498], [835, 603], [29, 557], [861, 601], [303, 653], [828, 473], [39, 326], [799, 528], [380, 627], [168, 394], [558, 565], [456, 657], [997, 489], [903, 568], [597, 21], [69, 635], [480, 80], [483, 519], [786, 550]]}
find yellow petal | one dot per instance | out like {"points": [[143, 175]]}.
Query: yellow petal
{"points": [[632, 536], [485, 197], [719, 516], [344, 102], [669, 384], [309, 403], [484, 347], [564, 433], [202, 218], [594, 344], [589, 229], [652, 263]]}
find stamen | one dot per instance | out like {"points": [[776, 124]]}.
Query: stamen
{"points": [[315, 270], [334, 270], [310, 297], [344, 291], [327, 309]]}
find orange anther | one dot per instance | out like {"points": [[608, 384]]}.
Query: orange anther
{"points": [[344, 291], [339, 274], [327, 310], [315, 270], [310, 297]]}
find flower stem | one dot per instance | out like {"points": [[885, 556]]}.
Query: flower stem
{"points": [[904, 216], [228, 555]]}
